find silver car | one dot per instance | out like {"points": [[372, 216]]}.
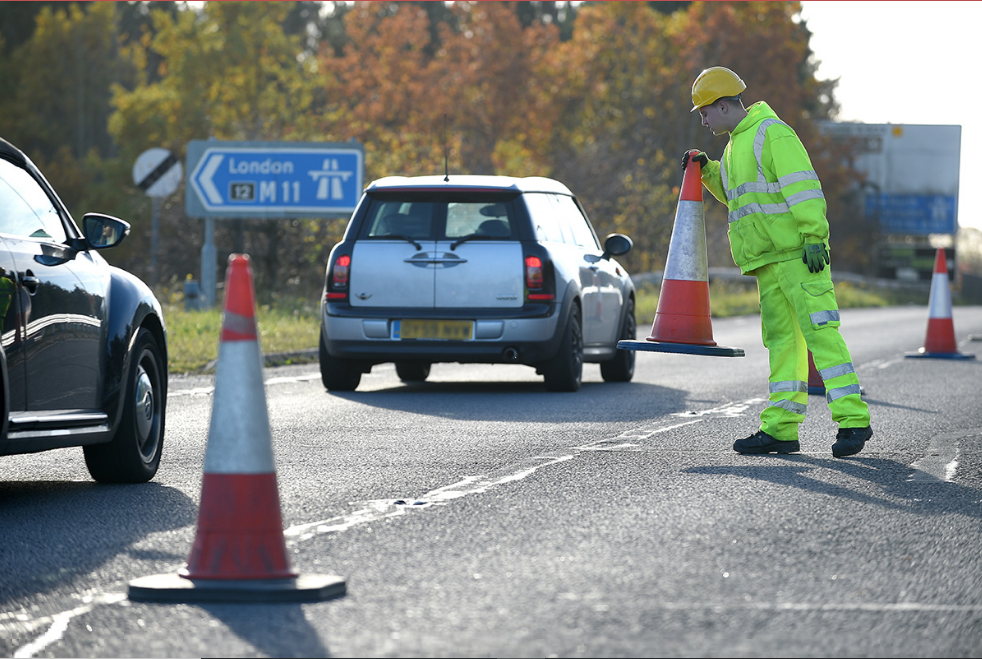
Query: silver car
{"points": [[474, 269]]}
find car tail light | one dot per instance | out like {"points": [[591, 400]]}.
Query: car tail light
{"points": [[535, 280], [337, 282]]}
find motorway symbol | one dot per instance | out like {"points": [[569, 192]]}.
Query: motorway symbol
{"points": [[157, 172], [273, 179]]}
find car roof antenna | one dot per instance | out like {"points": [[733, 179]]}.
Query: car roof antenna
{"points": [[446, 167]]}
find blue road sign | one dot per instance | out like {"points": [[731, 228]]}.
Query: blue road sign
{"points": [[273, 179], [913, 213]]}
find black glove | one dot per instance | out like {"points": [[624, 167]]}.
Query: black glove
{"points": [[816, 256], [700, 158]]}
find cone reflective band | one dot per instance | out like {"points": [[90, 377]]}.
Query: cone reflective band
{"points": [[240, 530], [940, 341], [239, 551], [682, 319]]}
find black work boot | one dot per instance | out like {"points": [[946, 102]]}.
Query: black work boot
{"points": [[850, 441], [761, 442]]}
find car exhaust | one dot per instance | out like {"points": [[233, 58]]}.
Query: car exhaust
{"points": [[510, 354]]}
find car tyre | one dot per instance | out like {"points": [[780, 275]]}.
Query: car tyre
{"points": [[412, 371], [564, 372], [337, 374], [621, 367], [133, 455]]}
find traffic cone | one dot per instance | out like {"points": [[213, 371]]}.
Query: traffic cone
{"points": [[816, 385], [940, 342], [682, 319], [239, 552]]}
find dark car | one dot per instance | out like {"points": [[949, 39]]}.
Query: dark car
{"points": [[475, 269], [83, 360]]}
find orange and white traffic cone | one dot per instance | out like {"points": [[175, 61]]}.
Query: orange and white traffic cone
{"points": [[940, 341], [682, 319], [239, 552], [816, 385]]}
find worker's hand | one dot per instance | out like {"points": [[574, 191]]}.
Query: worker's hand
{"points": [[816, 256], [700, 158]]}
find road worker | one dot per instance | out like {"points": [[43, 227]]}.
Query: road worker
{"points": [[779, 233]]}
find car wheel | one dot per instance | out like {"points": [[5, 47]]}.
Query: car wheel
{"points": [[564, 372], [133, 455], [412, 371], [621, 367], [337, 374]]}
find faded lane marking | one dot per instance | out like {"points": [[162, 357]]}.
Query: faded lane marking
{"points": [[940, 461], [59, 623], [209, 390]]}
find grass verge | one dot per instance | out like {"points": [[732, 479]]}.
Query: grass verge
{"points": [[290, 328]]}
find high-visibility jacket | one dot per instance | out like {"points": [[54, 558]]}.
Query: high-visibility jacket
{"points": [[767, 181]]}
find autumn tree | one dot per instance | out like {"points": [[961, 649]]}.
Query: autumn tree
{"points": [[601, 103], [227, 73]]}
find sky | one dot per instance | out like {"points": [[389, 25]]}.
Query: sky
{"points": [[907, 63]]}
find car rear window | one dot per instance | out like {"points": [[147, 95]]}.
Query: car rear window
{"points": [[443, 219]]}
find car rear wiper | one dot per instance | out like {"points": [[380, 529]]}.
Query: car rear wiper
{"points": [[473, 236]]}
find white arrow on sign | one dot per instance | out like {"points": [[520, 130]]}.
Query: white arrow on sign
{"points": [[207, 185]]}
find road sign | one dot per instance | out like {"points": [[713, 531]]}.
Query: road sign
{"points": [[273, 179], [157, 172], [911, 174]]}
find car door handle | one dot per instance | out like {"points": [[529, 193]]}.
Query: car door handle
{"points": [[30, 282]]}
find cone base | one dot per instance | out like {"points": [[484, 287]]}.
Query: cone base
{"points": [[175, 588], [684, 348], [937, 355]]}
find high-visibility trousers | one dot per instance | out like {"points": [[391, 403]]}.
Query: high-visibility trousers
{"points": [[798, 313]]}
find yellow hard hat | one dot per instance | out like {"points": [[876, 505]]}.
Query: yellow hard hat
{"points": [[715, 83]]}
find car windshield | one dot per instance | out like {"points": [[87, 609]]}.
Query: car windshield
{"points": [[439, 220]]}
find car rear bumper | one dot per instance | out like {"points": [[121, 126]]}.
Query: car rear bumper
{"points": [[519, 338]]}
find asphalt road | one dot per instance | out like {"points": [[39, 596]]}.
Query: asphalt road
{"points": [[477, 514]]}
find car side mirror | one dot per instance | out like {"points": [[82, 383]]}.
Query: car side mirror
{"points": [[102, 231], [616, 244]]}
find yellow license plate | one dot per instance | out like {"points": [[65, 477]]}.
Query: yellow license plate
{"points": [[446, 330]]}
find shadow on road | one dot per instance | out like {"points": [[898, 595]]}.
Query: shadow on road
{"points": [[526, 402], [276, 631], [58, 531], [922, 497]]}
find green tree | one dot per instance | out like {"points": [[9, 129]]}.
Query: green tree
{"points": [[230, 72]]}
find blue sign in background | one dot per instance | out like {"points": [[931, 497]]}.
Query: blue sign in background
{"points": [[912, 214], [273, 179]]}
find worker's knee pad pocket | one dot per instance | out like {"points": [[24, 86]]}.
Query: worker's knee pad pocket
{"points": [[820, 304]]}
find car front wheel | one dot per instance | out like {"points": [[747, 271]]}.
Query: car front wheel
{"points": [[564, 372], [621, 367], [133, 455]]}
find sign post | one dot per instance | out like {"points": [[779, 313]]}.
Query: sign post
{"points": [[157, 172], [268, 180]]}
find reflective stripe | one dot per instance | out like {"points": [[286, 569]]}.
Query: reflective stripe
{"points": [[765, 209], [756, 186], [798, 177], [788, 385], [823, 317], [836, 371], [790, 406], [759, 139], [804, 195], [839, 392], [763, 186]]}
